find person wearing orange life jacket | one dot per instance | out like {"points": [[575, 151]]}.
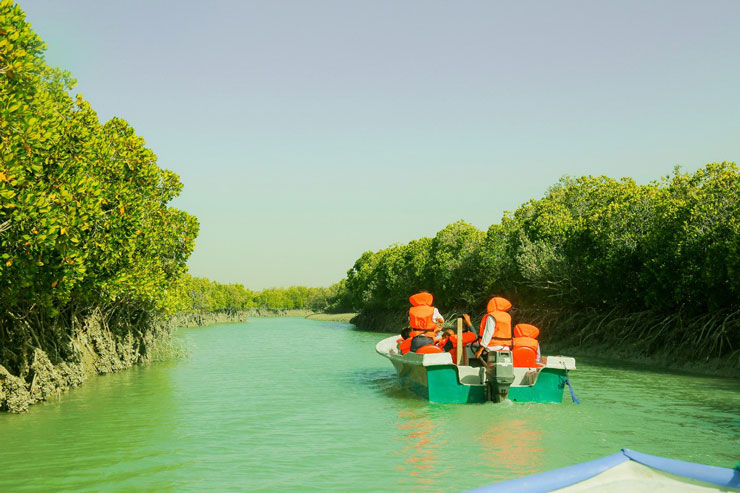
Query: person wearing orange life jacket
{"points": [[423, 317], [425, 298], [495, 328], [404, 342], [449, 341], [525, 335]]}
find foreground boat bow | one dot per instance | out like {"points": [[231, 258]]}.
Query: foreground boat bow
{"points": [[626, 471]]}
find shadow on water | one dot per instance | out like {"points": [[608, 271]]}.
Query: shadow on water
{"points": [[379, 381]]}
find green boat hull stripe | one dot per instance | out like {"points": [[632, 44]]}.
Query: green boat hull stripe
{"points": [[441, 384]]}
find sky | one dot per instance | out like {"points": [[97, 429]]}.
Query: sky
{"points": [[306, 132]]}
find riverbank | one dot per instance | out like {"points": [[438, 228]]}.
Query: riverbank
{"points": [[598, 336], [332, 317], [95, 347], [233, 316], [202, 319], [607, 354]]}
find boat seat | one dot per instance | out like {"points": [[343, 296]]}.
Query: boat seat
{"points": [[525, 357]]}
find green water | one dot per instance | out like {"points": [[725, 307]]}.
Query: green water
{"points": [[292, 404]]}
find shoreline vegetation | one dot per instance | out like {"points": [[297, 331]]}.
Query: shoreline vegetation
{"points": [[564, 340], [332, 317], [651, 271], [92, 257], [91, 253]]}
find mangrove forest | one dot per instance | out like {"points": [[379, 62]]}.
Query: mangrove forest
{"points": [[93, 256]]}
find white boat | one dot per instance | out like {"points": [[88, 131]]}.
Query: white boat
{"points": [[629, 471], [437, 378]]}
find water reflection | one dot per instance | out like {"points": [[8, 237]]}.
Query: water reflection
{"points": [[421, 441], [511, 446]]}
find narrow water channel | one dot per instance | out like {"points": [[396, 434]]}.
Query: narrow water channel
{"points": [[292, 404]]}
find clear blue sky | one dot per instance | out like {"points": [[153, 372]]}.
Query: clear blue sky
{"points": [[306, 132]]}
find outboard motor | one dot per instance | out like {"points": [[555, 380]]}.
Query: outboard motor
{"points": [[499, 375]]}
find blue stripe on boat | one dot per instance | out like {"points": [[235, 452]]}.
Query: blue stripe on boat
{"points": [[567, 476]]}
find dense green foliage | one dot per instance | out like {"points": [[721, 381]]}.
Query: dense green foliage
{"points": [[590, 244], [202, 295], [84, 220]]}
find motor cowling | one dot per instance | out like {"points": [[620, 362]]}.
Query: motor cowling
{"points": [[499, 374]]}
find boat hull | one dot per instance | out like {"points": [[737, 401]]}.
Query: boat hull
{"points": [[441, 384], [436, 378], [438, 383]]}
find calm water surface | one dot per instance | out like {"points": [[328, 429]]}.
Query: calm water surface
{"points": [[293, 404]]}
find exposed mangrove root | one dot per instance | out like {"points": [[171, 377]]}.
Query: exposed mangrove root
{"points": [[42, 367], [381, 320], [201, 319]]}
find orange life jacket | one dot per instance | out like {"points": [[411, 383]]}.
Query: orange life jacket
{"points": [[422, 299], [525, 357], [422, 311], [526, 330], [405, 345], [502, 335], [420, 317], [526, 342], [467, 338], [525, 336]]}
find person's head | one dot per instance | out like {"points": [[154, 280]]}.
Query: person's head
{"points": [[406, 333], [449, 331]]}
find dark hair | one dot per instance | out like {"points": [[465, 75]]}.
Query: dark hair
{"points": [[406, 333]]}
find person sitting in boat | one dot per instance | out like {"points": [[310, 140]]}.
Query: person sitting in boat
{"points": [[425, 318], [424, 339], [525, 336], [495, 328], [404, 343], [405, 334], [448, 341], [425, 298]]}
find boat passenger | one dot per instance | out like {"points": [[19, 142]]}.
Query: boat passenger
{"points": [[424, 317], [423, 339], [425, 298], [404, 343], [495, 328], [446, 342], [449, 338], [525, 336]]}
